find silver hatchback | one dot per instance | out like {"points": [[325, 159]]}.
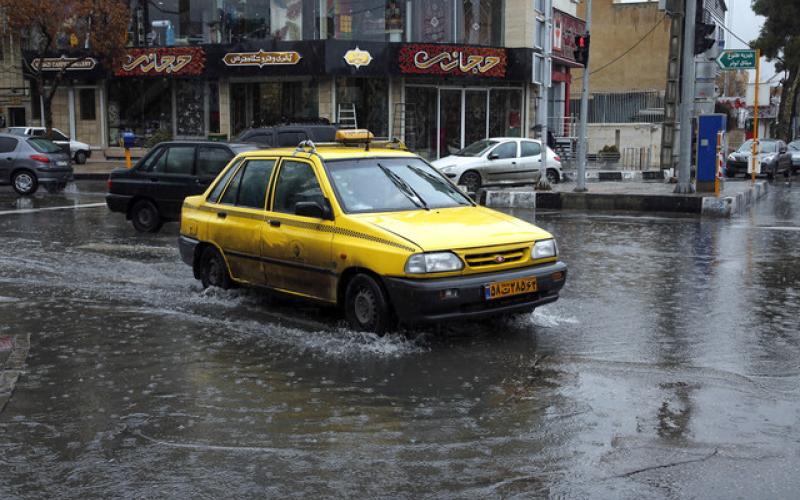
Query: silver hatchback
{"points": [[28, 162]]}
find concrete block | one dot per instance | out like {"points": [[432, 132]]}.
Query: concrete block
{"points": [[510, 199]]}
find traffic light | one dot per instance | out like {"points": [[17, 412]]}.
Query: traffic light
{"points": [[582, 49], [704, 37]]}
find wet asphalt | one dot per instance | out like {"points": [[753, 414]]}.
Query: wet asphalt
{"points": [[670, 367]]}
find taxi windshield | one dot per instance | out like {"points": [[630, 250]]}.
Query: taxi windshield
{"points": [[371, 185]]}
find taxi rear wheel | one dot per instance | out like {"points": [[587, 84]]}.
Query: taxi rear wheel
{"points": [[366, 305], [213, 271]]}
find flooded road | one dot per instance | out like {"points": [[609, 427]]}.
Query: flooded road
{"points": [[670, 367]]}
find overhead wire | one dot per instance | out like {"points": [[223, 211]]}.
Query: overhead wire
{"points": [[639, 42]]}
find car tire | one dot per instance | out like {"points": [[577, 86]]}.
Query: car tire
{"points": [[552, 176], [366, 306], [80, 157], [472, 180], [24, 182], [213, 270], [730, 173], [145, 217]]}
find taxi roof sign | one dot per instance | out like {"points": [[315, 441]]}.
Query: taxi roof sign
{"points": [[354, 136]]}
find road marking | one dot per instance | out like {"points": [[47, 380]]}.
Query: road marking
{"points": [[46, 209]]}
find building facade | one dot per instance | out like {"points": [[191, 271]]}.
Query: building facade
{"points": [[438, 74]]}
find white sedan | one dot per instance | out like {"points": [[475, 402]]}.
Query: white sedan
{"points": [[499, 160]]}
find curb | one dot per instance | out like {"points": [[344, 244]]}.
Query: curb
{"points": [[707, 206], [617, 175]]}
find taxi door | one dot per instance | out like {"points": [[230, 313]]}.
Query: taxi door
{"points": [[240, 218], [296, 249]]}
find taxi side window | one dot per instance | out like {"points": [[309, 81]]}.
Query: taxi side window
{"points": [[255, 180], [217, 191], [232, 193], [296, 183]]}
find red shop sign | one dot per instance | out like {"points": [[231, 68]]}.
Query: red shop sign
{"points": [[163, 61], [420, 59]]}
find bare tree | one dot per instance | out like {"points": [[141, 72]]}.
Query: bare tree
{"points": [[93, 29]]}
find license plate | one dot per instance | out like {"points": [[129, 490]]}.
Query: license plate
{"points": [[510, 288], [61, 164]]}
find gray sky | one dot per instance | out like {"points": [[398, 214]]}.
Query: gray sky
{"points": [[746, 25]]}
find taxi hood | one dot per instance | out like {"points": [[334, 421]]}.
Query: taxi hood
{"points": [[455, 228]]}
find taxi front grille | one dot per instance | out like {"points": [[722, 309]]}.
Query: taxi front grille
{"points": [[489, 259]]}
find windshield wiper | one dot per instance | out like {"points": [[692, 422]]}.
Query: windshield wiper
{"points": [[404, 188], [446, 188]]}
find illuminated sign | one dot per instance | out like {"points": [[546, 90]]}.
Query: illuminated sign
{"points": [[357, 57], [261, 58], [449, 60], [164, 61], [63, 62]]}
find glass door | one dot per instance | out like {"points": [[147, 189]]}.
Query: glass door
{"points": [[421, 129], [450, 114], [475, 114]]}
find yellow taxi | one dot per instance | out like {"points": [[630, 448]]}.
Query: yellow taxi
{"points": [[376, 231]]}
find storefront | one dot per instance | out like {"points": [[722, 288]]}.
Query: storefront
{"points": [[565, 28], [437, 97]]}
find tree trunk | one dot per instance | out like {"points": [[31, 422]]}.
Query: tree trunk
{"points": [[788, 105]]}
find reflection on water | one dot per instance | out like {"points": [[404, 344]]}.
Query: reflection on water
{"points": [[674, 338]]}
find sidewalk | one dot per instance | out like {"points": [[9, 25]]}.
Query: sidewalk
{"points": [[735, 198], [96, 169]]}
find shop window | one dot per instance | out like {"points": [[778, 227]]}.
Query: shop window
{"points": [[378, 20], [264, 104], [213, 107], [505, 113], [87, 104], [189, 100], [143, 106], [193, 22], [474, 22], [371, 99]]}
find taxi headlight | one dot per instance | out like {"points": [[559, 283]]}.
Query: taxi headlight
{"points": [[544, 249], [438, 262]]}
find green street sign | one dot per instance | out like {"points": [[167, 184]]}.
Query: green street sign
{"points": [[737, 59]]}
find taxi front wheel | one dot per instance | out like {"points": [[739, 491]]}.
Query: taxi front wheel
{"points": [[213, 271], [366, 305]]}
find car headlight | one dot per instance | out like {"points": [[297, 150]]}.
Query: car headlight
{"points": [[769, 157], [437, 262], [544, 249], [448, 168]]}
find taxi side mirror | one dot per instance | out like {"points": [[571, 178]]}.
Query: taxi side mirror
{"points": [[313, 209]]}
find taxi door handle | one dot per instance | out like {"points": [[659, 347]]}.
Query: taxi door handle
{"points": [[222, 215], [275, 223]]}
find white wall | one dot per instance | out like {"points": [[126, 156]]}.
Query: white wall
{"points": [[627, 135], [568, 6]]}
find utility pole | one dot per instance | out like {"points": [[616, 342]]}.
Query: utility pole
{"points": [[687, 100], [543, 184], [584, 118]]}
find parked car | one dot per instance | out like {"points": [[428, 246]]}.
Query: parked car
{"points": [[79, 151], [152, 191], [794, 151], [772, 158], [287, 135], [28, 162], [499, 160], [380, 233]]}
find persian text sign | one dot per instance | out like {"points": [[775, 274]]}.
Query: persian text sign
{"points": [[261, 58], [164, 61], [64, 63], [456, 61], [737, 59]]}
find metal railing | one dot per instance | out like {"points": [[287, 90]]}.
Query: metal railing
{"points": [[623, 107]]}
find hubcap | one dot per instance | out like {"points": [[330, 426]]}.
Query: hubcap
{"points": [[145, 217], [23, 182], [471, 181], [364, 306], [214, 269]]}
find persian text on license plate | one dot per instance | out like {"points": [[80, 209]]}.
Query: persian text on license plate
{"points": [[510, 288]]}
